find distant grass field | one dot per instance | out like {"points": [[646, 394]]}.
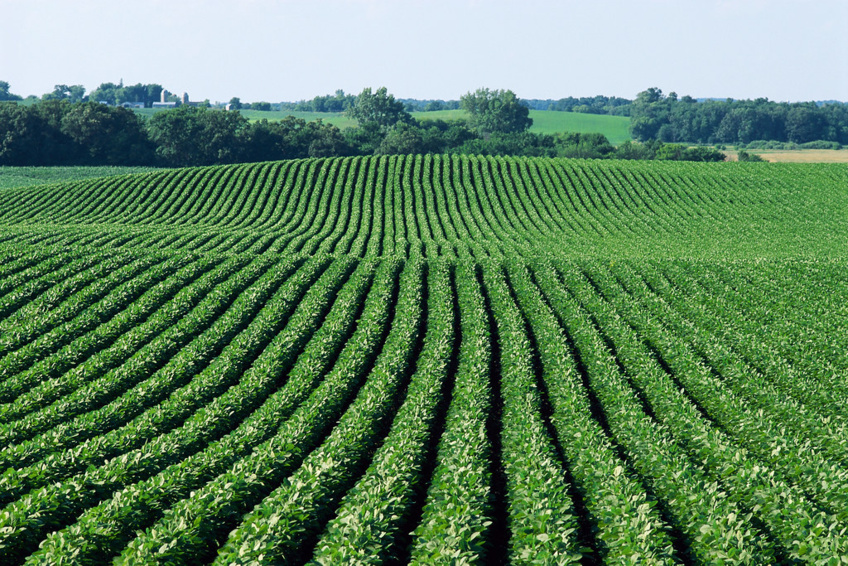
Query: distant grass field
{"points": [[615, 128], [11, 177]]}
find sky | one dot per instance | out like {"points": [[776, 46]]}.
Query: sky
{"points": [[289, 50]]}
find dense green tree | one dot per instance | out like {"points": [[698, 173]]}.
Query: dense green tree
{"points": [[117, 94], [634, 150], [804, 123], [584, 146], [440, 136], [151, 92], [678, 152], [56, 132], [190, 135], [106, 135], [378, 107], [106, 92], [269, 141], [326, 140], [73, 93], [292, 138], [76, 93], [654, 116], [836, 123], [517, 143], [704, 154], [21, 131], [338, 102], [54, 147], [5, 94], [403, 139], [364, 139], [496, 111], [648, 114]]}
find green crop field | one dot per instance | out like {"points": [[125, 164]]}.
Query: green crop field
{"points": [[26, 176], [427, 360]]}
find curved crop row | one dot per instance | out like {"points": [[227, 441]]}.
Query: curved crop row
{"points": [[426, 359]]}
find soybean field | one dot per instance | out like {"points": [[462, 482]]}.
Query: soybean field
{"points": [[427, 360]]}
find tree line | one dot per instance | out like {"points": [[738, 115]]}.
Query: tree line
{"points": [[610, 105], [342, 102], [654, 115], [60, 132], [668, 118]]}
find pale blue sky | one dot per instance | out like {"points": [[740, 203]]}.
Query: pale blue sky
{"points": [[280, 50]]}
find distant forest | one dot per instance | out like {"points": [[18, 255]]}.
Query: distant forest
{"points": [[341, 102], [66, 127], [670, 119], [655, 116], [60, 132]]}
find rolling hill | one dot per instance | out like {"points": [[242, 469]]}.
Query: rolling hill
{"points": [[410, 359]]}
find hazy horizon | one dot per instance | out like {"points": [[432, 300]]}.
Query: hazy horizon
{"points": [[289, 50]]}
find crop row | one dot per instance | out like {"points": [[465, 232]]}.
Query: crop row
{"points": [[439, 206], [247, 408], [426, 359]]}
